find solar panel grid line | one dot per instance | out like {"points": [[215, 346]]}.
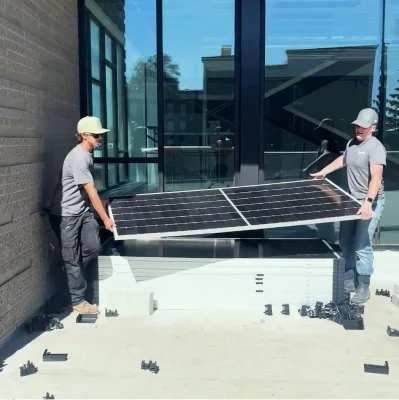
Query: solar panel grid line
{"points": [[132, 209], [262, 190], [232, 204], [173, 194], [154, 214], [182, 224], [168, 217], [315, 199], [269, 186], [275, 195], [278, 190], [291, 203], [170, 203], [169, 200], [258, 199], [126, 236], [314, 212], [281, 208]]}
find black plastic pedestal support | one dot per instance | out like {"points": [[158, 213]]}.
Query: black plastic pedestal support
{"points": [[377, 369], [286, 309], [86, 318], [150, 366], [268, 309], [28, 369], [110, 313], [47, 356], [392, 332], [382, 292]]}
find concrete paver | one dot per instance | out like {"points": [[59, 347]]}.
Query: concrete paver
{"points": [[212, 355]]}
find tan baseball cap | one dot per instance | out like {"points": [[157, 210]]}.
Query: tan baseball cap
{"points": [[91, 125]]}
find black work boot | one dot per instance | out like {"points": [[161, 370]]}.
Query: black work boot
{"points": [[349, 281], [363, 290]]}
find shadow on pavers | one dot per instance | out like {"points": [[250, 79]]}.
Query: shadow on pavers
{"points": [[57, 305], [23, 335]]}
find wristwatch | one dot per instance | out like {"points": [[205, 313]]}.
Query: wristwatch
{"points": [[369, 199]]}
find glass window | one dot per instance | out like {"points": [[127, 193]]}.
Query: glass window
{"points": [[108, 48], [99, 170], [112, 135], [139, 137], [198, 93], [141, 77], [96, 100], [389, 229], [140, 178], [170, 127], [170, 107], [322, 62], [96, 110], [95, 50], [110, 110], [99, 176], [122, 148]]}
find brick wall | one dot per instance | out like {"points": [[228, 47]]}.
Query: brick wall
{"points": [[39, 109]]}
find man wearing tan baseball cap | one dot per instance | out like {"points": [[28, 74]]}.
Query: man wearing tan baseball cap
{"points": [[70, 215], [91, 125]]}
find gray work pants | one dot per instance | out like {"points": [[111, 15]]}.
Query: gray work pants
{"points": [[80, 244]]}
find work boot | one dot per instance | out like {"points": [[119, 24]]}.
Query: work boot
{"points": [[86, 308], [349, 281], [363, 290]]}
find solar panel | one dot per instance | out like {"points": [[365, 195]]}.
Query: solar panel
{"points": [[202, 212], [174, 212], [291, 202]]}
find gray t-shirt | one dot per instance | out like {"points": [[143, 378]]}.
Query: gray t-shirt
{"points": [[359, 156], [70, 198]]}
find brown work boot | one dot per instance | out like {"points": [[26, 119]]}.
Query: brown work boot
{"points": [[86, 308]]}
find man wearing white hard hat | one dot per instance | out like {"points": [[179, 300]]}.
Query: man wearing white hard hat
{"points": [[70, 215], [365, 160]]}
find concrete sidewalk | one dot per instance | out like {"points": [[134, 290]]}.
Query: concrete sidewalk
{"points": [[213, 355]]}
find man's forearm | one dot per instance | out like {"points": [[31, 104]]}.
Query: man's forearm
{"points": [[374, 187], [338, 163], [97, 204]]}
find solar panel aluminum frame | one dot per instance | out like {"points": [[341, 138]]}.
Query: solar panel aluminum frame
{"points": [[247, 227]]}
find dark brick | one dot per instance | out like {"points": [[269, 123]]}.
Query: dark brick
{"points": [[39, 94]]}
